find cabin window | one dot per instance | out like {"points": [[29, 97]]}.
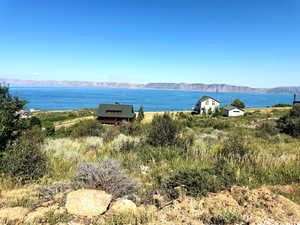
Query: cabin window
{"points": [[113, 111]]}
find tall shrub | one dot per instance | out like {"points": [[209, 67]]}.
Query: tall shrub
{"points": [[290, 123], [141, 115], [163, 130], [198, 182], [23, 160], [87, 128]]}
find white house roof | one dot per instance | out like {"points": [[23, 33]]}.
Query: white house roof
{"points": [[231, 107], [207, 97]]}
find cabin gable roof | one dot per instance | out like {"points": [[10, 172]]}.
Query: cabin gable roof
{"points": [[115, 111]]}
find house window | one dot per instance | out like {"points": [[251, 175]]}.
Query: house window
{"points": [[113, 111], [213, 102], [207, 102]]}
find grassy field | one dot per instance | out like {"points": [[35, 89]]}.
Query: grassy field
{"points": [[176, 156], [65, 118]]}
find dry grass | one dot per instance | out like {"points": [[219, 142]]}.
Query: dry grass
{"points": [[69, 123], [267, 110], [149, 115]]}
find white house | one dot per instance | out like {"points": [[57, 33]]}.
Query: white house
{"points": [[230, 110], [206, 104]]}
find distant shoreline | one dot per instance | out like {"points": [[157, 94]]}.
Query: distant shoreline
{"points": [[170, 111], [197, 87]]}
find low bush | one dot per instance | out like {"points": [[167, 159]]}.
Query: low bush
{"points": [[125, 143], [108, 176], [46, 193], [87, 128], [110, 133], [164, 131], [24, 161], [267, 129], [132, 129], [236, 147], [282, 105], [226, 218], [186, 139], [49, 130], [198, 182]]}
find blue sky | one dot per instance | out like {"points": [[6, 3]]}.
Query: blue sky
{"points": [[241, 42]]}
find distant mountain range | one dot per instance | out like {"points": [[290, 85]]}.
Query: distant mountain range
{"points": [[161, 86]]}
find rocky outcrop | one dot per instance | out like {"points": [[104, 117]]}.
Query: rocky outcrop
{"points": [[122, 206], [88, 202], [239, 205]]}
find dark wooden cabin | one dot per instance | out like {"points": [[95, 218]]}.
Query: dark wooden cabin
{"points": [[115, 113]]}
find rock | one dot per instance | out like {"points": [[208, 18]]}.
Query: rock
{"points": [[123, 206], [13, 213], [87, 202]]}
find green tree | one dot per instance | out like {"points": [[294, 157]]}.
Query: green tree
{"points": [[290, 123], [10, 123], [20, 141], [141, 115], [49, 130], [238, 103]]}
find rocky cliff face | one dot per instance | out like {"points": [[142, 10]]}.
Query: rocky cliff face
{"points": [[204, 87], [160, 86]]}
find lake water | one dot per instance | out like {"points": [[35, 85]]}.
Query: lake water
{"points": [[63, 98]]}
